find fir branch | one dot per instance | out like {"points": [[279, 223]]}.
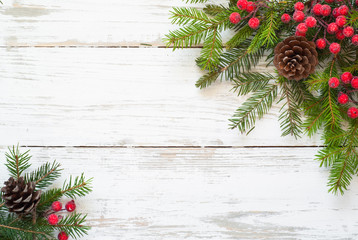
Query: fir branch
{"points": [[22, 230], [244, 33], [47, 198], [17, 162], [212, 48], [214, 10], [251, 82], [207, 79], [45, 175], [271, 24], [239, 60], [73, 225], [291, 117], [77, 187], [255, 107], [189, 16]]}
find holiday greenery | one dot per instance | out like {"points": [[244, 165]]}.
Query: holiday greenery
{"points": [[313, 46], [31, 210]]}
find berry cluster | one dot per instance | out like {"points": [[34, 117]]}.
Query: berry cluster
{"points": [[53, 218], [251, 8], [323, 17], [347, 81]]}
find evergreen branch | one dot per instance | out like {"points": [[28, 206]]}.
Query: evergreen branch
{"points": [[207, 79], [47, 198], [256, 106], [77, 187], [189, 16], [73, 225], [44, 175], [214, 10], [239, 60], [290, 118], [211, 51], [17, 162], [251, 82], [244, 33], [22, 230], [271, 24]]}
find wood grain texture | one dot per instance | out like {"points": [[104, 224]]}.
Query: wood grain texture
{"points": [[271, 193], [85, 23], [120, 97]]}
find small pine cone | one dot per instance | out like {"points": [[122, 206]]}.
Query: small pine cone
{"points": [[20, 197], [295, 58]]}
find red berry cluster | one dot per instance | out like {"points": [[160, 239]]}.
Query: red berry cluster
{"points": [[53, 218], [347, 80], [322, 16], [251, 8]]}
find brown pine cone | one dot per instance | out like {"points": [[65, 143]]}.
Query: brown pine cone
{"points": [[20, 197], [295, 58]]}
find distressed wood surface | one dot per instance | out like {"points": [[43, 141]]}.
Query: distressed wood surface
{"points": [[85, 23], [120, 97], [237, 193]]}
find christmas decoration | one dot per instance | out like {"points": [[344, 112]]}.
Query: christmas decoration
{"points": [[295, 58], [314, 98], [30, 210]]}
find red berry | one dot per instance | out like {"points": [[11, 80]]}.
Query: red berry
{"points": [[325, 10], [62, 236], [299, 6], [317, 9], [352, 112], [310, 22], [56, 206], [355, 39], [333, 82], [346, 77], [242, 4], [302, 28], [321, 43], [235, 18], [343, 98], [70, 206], [329, 1], [254, 23], [332, 28], [298, 16], [251, 6], [343, 10], [357, 2], [285, 18], [52, 219], [339, 34], [341, 21], [348, 31], [335, 48], [297, 33], [335, 12], [354, 82]]}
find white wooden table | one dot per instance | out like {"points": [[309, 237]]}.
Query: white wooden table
{"points": [[80, 85]]}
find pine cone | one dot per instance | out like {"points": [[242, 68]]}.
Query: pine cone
{"points": [[20, 197], [295, 58]]}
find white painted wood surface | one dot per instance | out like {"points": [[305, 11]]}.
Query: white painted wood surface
{"points": [[240, 193], [165, 164]]}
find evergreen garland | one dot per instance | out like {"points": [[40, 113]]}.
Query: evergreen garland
{"points": [[317, 102], [37, 224]]}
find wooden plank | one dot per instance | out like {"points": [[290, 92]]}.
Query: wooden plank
{"points": [[121, 97], [255, 193], [85, 22]]}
